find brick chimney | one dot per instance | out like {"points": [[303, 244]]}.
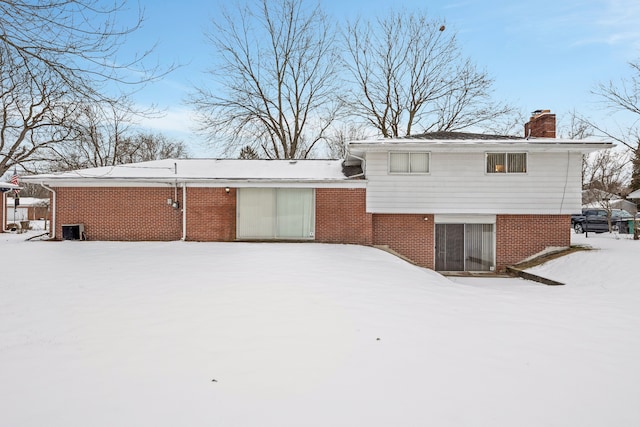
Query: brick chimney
{"points": [[542, 124]]}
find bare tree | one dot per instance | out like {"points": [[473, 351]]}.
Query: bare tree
{"points": [[105, 135], [635, 170], [35, 111], [53, 55], [624, 97], [604, 178], [507, 124], [410, 77], [248, 153], [576, 127], [339, 137], [277, 73], [144, 146]]}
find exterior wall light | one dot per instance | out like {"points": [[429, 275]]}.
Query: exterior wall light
{"points": [[227, 189]]}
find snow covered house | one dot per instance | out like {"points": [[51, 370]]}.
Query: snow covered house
{"points": [[27, 209], [634, 195], [447, 201]]}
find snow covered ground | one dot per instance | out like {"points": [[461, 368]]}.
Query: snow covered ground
{"points": [[239, 334]]}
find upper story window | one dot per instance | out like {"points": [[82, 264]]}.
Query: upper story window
{"points": [[506, 162], [409, 162]]}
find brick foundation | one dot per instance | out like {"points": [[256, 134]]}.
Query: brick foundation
{"points": [[517, 236], [409, 235], [521, 236], [341, 216], [211, 214], [134, 214], [120, 213]]}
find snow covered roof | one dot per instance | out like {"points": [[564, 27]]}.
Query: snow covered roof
{"points": [[6, 186], [203, 171], [28, 202], [634, 194], [461, 141]]}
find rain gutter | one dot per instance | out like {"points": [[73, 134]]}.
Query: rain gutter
{"points": [[184, 211], [52, 225]]}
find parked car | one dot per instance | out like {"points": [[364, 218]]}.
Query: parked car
{"points": [[597, 220]]}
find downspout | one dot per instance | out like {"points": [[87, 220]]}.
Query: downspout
{"points": [[362, 164], [4, 212], [52, 224], [184, 211]]}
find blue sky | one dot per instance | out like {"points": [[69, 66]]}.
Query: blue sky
{"points": [[542, 54]]}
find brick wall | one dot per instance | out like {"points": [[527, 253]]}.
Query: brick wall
{"points": [[410, 235], [120, 213], [211, 214], [517, 236], [143, 214], [341, 216], [541, 125], [521, 236]]}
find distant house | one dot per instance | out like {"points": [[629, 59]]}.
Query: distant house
{"points": [[601, 199], [27, 209], [446, 201], [634, 195], [5, 187]]}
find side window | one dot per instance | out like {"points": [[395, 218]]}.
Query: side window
{"points": [[496, 163], [409, 162], [506, 162], [517, 162]]}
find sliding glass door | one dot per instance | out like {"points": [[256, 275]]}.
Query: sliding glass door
{"points": [[465, 247], [276, 213]]}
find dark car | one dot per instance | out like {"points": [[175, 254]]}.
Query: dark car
{"points": [[597, 220]]}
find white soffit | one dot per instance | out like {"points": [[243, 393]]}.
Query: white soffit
{"points": [[464, 219]]}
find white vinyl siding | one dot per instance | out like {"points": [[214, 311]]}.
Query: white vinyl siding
{"points": [[457, 183], [276, 213], [417, 163], [16, 214]]}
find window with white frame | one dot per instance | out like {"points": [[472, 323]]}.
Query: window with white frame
{"points": [[409, 162], [275, 213], [506, 162]]}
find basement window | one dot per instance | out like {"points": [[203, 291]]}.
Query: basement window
{"points": [[506, 162], [409, 162]]}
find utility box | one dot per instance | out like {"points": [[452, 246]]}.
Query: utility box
{"points": [[73, 232]]}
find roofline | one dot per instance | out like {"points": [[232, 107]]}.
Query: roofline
{"points": [[546, 144], [472, 141], [65, 181]]}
